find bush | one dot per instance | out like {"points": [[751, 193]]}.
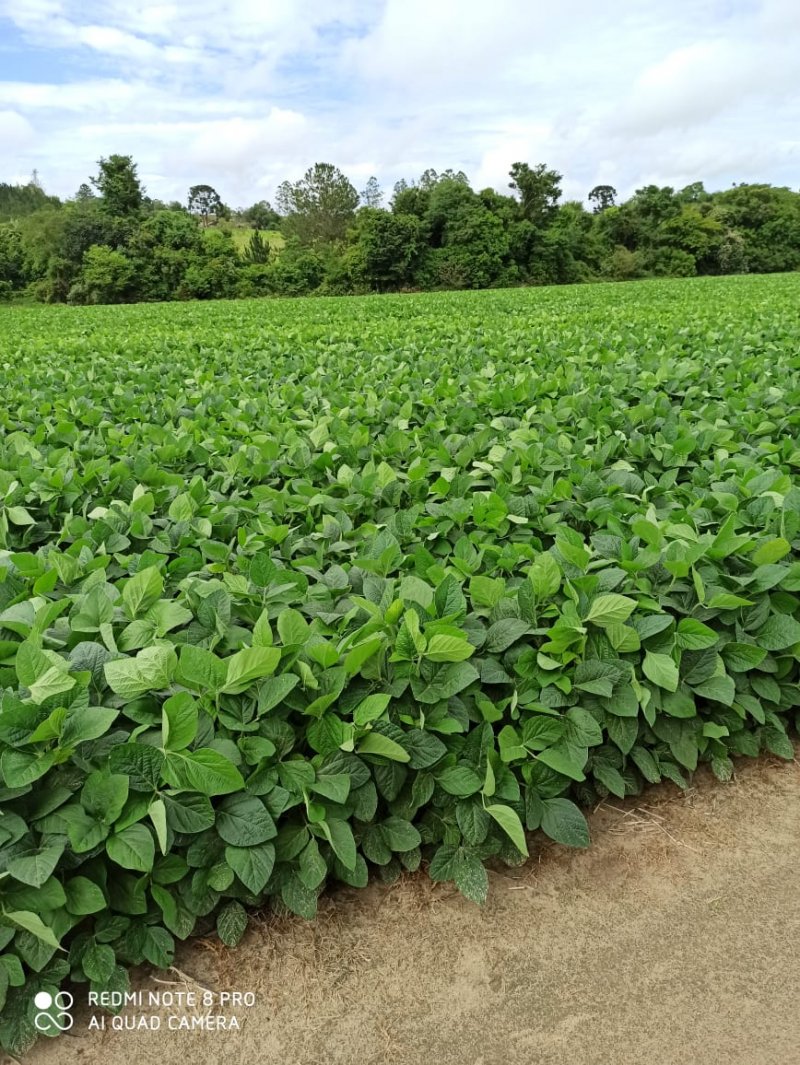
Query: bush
{"points": [[622, 265], [255, 279], [210, 279], [671, 262], [106, 276], [297, 271]]}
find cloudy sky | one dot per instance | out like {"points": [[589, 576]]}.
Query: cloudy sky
{"points": [[244, 94]]}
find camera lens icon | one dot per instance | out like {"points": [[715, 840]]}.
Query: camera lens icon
{"points": [[54, 1012]]}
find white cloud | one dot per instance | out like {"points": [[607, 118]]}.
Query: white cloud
{"points": [[16, 132], [516, 142], [101, 95], [116, 42], [693, 84], [670, 93], [232, 144], [688, 86]]}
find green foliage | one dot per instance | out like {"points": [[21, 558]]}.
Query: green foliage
{"points": [[768, 221], [387, 248], [205, 202], [297, 271], [622, 265], [162, 249], [438, 234], [469, 244], [118, 184], [261, 215], [17, 201], [602, 197], [372, 194], [539, 190], [257, 249], [319, 207], [213, 274], [291, 611], [106, 275]]}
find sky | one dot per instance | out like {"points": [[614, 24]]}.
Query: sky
{"points": [[245, 94]]}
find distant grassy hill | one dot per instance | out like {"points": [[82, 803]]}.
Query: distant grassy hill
{"points": [[241, 236]]}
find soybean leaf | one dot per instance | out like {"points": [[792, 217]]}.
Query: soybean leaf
{"points": [[132, 848], [204, 770], [231, 923], [510, 824], [661, 669], [564, 822]]}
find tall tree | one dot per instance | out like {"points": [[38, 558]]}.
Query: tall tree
{"points": [[205, 202], [320, 206], [603, 197], [119, 185], [372, 194], [430, 178], [539, 189]]}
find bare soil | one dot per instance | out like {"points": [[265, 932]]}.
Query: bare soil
{"points": [[672, 941]]}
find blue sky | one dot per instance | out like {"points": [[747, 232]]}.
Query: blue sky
{"points": [[244, 94]]}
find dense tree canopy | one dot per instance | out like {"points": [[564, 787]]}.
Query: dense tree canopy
{"points": [[17, 201], [539, 190], [119, 186], [320, 206], [111, 242]]}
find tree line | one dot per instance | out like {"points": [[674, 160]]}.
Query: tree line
{"points": [[111, 242]]}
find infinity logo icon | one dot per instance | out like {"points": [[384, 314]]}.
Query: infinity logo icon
{"points": [[58, 1019]]}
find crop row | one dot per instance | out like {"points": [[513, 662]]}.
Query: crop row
{"points": [[293, 594]]}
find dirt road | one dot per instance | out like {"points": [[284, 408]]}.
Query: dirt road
{"points": [[672, 941]]}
